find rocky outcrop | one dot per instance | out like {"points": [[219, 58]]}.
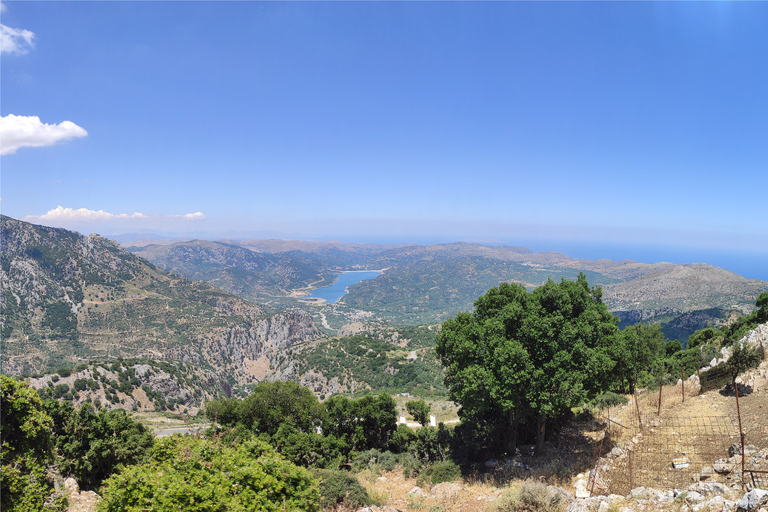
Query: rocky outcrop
{"points": [[232, 347], [699, 497]]}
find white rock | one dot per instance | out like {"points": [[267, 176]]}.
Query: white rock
{"points": [[416, 491], [70, 486], [753, 500]]}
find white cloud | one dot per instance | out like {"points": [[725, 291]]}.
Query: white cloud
{"points": [[67, 215], [20, 131], [188, 216], [15, 40]]}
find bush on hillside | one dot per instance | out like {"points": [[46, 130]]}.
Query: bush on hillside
{"points": [[340, 487], [443, 471], [201, 475], [609, 399], [529, 496]]}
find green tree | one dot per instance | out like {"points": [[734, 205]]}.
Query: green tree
{"points": [[26, 449], [419, 410], [640, 348], [364, 424], [91, 445], [376, 421], [530, 355], [340, 418], [762, 304], [201, 475], [270, 405]]}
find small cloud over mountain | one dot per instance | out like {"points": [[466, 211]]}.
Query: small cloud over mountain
{"points": [[28, 131]]}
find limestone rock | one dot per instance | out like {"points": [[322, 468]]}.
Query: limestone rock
{"points": [[735, 449], [723, 466], [445, 490], [416, 491], [71, 486], [640, 493], [753, 500]]}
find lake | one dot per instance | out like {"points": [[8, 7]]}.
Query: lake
{"points": [[337, 290]]}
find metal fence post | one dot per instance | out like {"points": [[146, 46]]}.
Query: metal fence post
{"points": [[682, 383], [741, 430]]}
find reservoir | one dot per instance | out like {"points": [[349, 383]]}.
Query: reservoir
{"points": [[337, 290]]}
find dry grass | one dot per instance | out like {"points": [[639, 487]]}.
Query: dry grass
{"points": [[392, 488]]}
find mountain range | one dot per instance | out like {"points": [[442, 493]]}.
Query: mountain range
{"points": [[237, 311]]}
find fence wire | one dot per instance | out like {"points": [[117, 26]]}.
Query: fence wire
{"points": [[665, 439]]}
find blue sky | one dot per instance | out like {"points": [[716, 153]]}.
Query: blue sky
{"points": [[635, 130]]}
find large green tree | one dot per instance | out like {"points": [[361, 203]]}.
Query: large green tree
{"points": [[529, 356], [91, 445], [640, 348], [271, 405], [25, 450]]}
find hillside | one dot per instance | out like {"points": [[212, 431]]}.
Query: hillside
{"points": [[68, 298], [237, 270], [685, 288]]}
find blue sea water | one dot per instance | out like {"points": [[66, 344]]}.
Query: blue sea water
{"points": [[332, 293]]}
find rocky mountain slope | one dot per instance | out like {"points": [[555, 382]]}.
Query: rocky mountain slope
{"points": [[68, 298], [237, 270]]}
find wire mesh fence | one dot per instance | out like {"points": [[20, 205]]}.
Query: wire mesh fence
{"points": [[667, 439]]}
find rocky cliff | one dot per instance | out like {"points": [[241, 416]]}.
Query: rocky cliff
{"points": [[68, 298]]}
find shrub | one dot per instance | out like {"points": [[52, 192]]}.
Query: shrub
{"points": [[444, 471], [609, 399], [340, 487], [530, 496], [375, 460], [412, 466], [199, 474]]}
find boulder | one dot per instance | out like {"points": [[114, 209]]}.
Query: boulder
{"points": [[710, 489], [735, 450], [723, 466], [640, 493], [416, 491], [445, 490], [71, 486], [585, 505], [753, 500]]}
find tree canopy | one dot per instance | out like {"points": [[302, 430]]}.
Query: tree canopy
{"points": [[529, 355], [419, 410]]}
